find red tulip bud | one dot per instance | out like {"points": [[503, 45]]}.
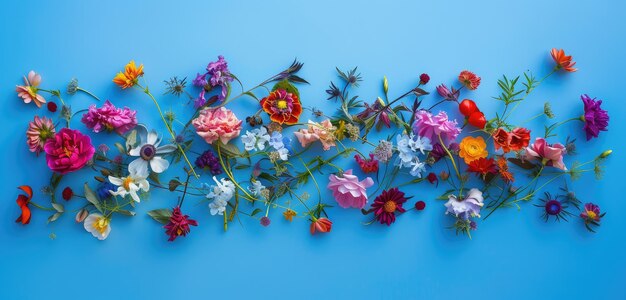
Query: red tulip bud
{"points": [[477, 119], [467, 107]]}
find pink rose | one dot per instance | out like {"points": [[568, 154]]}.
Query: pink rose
{"points": [[322, 132], [551, 155], [217, 123], [348, 191], [68, 151], [110, 118]]}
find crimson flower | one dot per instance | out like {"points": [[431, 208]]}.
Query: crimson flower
{"points": [[179, 224], [483, 166], [387, 204], [367, 165]]}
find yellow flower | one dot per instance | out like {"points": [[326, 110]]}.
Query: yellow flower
{"points": [[130, 76], [472, 148], [289, 214]]}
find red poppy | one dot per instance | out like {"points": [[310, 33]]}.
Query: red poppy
{"points": [[22, 202], [469, 80], [467, 107], [321, 225], [282, 106], [482, 166], [520, 137], [501, 139], [563, 61], [477, 119], [367, 165]]}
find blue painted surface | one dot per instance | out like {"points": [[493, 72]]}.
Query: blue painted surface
{"points": [[513, 255]]}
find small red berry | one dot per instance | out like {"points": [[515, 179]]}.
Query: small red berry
{"points": [[67, 193], [420, 205], [52, 107], [424, 78]]}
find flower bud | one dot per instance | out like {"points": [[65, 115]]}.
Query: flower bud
{"points": [[385, 84], [82, 215], [606, 153]]}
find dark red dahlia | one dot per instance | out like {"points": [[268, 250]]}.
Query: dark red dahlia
{"points": [[179, 224], [367, 165], [387, 204]]}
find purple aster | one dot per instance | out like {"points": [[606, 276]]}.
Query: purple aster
{"points": [[209, 161], [596, 119]]}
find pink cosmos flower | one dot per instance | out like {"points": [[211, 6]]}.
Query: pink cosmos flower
{"points": [[110, 118], [322, 132], [68, 151], [429, 126], [348, 190], [28, 91], [217, 123], [551, 155], [39, 131]]}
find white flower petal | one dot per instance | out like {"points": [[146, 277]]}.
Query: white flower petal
{"points": [[152, 137], [138, 167], [166, 149], [159, 164]]}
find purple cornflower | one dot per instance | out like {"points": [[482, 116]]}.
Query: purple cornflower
{"points": [[209, 161], [596, 119], [104, 189]]}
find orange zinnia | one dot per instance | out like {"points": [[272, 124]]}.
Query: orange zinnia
{"points": [[563, 61], [503, 169], [130, 76]]}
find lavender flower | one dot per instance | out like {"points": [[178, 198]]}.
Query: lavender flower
{"points": [[596, 119], [200, 80], [465, 208]]}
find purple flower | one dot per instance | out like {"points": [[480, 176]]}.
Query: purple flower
{"points": [[265, 221], [200, 80], [210, 161], [200, 101], [219, 75], [431, 127], [596, 119], [446, 93]]}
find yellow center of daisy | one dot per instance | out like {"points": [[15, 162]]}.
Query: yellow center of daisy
{"points": [[390, 206], [591, 214], [127, 181], [101, 224], [281, 104]]}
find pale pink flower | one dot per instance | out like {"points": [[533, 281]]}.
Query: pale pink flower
{"points": [[108, 117], [322, 132], [551, 155], [348, 190], [39, 131], [217, 123], [28, 91]]}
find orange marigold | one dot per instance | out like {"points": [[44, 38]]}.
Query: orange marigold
{"points": [[130, 76]]}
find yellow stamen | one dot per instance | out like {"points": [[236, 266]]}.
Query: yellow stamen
{"points": [[127, 181], [101, 224], [281, 104]]}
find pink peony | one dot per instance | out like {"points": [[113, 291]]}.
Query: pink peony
{"points": [[429, 126], [217, 123], [322, 132], [110, 118], [551, 155], [68, 151], [348, 190]]}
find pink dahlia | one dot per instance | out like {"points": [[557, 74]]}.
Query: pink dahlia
{"points": [[110, 118], [550, 155], [178, 224], [28, 91], [217, 123], [322, 132], [39, 131], [68, 151], [431, 127], [348, 190]]}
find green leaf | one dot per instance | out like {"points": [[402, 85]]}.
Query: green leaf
{"points": [[287, 86], [92, 198], [125, 212], [255, 211], [229, 150], [173, 184], [161, 215]]}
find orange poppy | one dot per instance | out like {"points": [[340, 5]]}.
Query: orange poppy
{"points": [[563, 61], [22, 202], [130, 76]]}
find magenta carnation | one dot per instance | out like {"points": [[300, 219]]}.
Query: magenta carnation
{"points": [[110, 118], [217, 123], [431, 127], [68, 151], [348, 190]]}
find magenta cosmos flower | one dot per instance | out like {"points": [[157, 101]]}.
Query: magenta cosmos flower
{"points": [[39, 131], [68, 151], [28, 91], [387, 204], [348, 190], [596, 119], [429, 126], [110, 118], [217, 123], [178, 224], [550, 155]]}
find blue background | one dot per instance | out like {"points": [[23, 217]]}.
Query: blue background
{"points": [[513, 255]]}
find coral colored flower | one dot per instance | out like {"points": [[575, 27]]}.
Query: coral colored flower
{"points": [[130, 76], [563, 61], [515, 140], [467, 107], [482, 166], [322, 132], [28, 91], [387, 204], [110, 118], [550, 155], [283, 107], [23, 201], [178, 224], [39, 131], [68, 151], [367, 165], [289, 214], [217, 123], [472, 148], [469, 80], [477, 119], [596, 119], [348, 190], [503, 169], [98, 225], [67, 193], [321, 225], [427, 125]]}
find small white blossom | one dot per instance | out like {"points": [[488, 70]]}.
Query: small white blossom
{"points": [[221, 194], [255, 139], [256, 187]]}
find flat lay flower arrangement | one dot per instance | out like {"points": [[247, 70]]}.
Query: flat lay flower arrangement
{"points": [[256, 166]]}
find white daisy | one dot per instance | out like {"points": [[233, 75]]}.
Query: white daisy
{"points": [[130, 184], [98, 225], [148, 151]]}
